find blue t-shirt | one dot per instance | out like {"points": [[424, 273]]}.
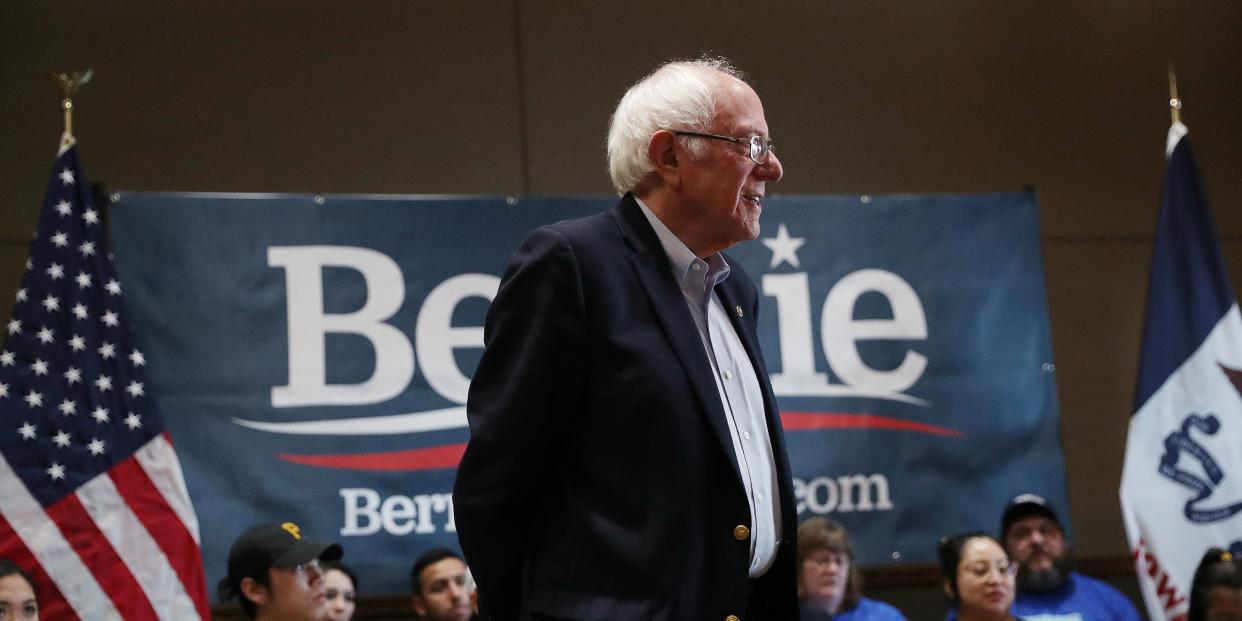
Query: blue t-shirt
{"points": [[868, 610], [1080, 599]]}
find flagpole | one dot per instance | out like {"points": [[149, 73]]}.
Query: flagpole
{"points": [[69, 84], [1175, 104]]}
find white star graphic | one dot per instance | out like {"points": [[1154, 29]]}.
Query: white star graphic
{"points": [[60, 240], [83, 279], [57, 271], [134, 389], [133, 421], [784, 248], [57, 471], [96, 446], [87, 248], [66, 177], [90, 216], [45, 336], [73, 375], [104, 383], [100, 414], [21, 295], [67, 407], [4, 390], [107, 350], [110, 319], [29, 263], [15, 326], [113, 287], [77, 343], [7, 359], [28, 431], [39, 367], [137, 358], [34, 399], [79, 311], [64, 208], [61, 439], [51, 303]]}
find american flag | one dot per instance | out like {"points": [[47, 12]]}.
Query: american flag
{"points": [[92, 500]]}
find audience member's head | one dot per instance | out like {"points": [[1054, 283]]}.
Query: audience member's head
{"points": [[1216, 594], [17, 593], [440, 583], [274, 573], [1034, 539], [977, 576], [340, 591], [827, 576]]}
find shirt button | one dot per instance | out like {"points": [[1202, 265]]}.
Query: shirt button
{"points": [[695, 267], [746, 434], [741, 533], [759, 496], [728, 374]]}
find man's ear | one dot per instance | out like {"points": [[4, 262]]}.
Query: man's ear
{"points": [[253, 591], [666, 157], [419, 606], [948, 590]]}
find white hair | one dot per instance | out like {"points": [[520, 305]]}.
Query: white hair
{"points": [[679, 96]]}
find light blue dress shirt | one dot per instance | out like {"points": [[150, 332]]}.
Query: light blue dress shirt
{"points": [[738, 386]]}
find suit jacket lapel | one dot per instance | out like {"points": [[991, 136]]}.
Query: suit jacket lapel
{"points": [[654, 272]]}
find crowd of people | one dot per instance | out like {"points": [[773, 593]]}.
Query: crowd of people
{"points": [[276, 573]]}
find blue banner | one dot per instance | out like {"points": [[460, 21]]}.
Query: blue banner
{"points": [[315, 353]]}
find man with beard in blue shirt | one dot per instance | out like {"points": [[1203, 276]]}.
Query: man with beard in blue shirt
{"points": [[1048, 587]]}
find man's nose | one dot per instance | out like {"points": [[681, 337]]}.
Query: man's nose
{"points": [[458, 591], [773, 170]]}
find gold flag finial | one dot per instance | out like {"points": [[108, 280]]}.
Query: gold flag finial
{"points": [[69, 83], [1175, 104]]}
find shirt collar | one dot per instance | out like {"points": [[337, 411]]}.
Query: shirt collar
{"points": [[680, 256]]}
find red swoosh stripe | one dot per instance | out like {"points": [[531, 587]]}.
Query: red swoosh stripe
{"points": [[430, 458], [797, 421], [448, 456]]}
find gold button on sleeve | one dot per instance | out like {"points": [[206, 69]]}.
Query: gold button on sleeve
{"points": [[741, 533]]}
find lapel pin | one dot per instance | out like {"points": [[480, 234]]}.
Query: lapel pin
{"points": [[739, 310]]}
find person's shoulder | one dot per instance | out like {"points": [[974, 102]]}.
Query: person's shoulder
{"points": [[1087, 582], [1107, 593], [876, 610]]}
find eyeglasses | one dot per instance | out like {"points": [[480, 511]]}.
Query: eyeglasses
{"points": [[981, 569], [759, 146], [827, 557]]}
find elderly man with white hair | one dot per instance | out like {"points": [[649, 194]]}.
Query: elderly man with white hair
{"points": [[626, 459]]}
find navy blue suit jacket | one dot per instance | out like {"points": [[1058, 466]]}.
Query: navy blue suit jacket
{"points": [[600, 480]]}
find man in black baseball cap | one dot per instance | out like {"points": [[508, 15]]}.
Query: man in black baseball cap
{"points": [[1048, 587], [274, 573]]}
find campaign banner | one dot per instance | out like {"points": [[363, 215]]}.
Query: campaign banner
{"points": [[315, 353]]}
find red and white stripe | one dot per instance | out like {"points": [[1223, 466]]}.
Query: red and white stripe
{"points": [[123, 546]]}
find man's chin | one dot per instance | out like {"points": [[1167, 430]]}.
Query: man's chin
{"points": [[1044, 580]]}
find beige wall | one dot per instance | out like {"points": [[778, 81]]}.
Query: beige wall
{"points": [[512, 97]]}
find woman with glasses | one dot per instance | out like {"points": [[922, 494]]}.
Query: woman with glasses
{"points": [[1216, 594], [977, 576], [829, 583]]}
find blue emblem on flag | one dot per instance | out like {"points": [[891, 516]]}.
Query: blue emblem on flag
{"points": [[1180, 442]]}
